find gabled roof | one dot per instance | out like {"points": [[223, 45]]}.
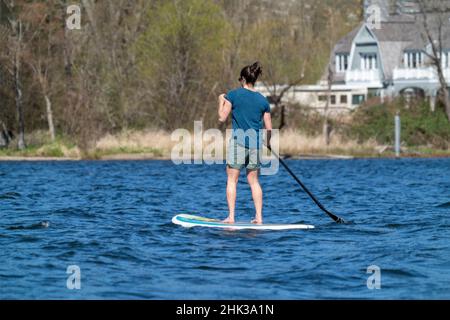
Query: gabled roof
{"points": [[421, 41], [396, 31], [345, 44], [397, 34], [402, 28]]}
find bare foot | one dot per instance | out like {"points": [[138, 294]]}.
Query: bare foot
{"points": [[257, 221], [228, 220]]}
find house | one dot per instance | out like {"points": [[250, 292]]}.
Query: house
{"points": [[385, 59]]}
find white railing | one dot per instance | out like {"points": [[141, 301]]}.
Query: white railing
{"points": [[427, 74], [363, 76], [415, 74]]}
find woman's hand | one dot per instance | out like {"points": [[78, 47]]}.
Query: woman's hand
{"points": [[268, 126], [268, 139]]}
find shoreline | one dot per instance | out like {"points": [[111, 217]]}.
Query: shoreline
{"points": [[158, 145], [151, 157]]}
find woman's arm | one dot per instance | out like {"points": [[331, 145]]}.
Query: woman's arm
{"points": [[268, 126], [224, 108]]}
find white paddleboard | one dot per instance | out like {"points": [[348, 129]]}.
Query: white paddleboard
{"points": [[189, 221]]}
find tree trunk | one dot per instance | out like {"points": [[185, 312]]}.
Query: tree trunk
{"points": [[282, 117], [5, 138], [51, 126], [20, 119], [446, 100], [18, 90], [326, 123], [444, 90], [67, 49], [327, 131], [3, 141]]}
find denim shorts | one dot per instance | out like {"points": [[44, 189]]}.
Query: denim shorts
{"points": [[240, 157]]}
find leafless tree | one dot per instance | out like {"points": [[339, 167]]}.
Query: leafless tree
{"points": [[433, 15], [284, 60], [38, 55], [13, 61], [277, 94]]}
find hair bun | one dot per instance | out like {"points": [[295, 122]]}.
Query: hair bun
{"points": [[256, 68], [251, 73]]}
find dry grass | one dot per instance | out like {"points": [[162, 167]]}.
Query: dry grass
{"points": [[295, 143], [39, 145], [151, 144], [291, 142], [148, 139]]}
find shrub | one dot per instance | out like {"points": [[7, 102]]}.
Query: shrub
{"points": [[419, 125]]}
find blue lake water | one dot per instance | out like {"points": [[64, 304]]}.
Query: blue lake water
{"points": [[113, 221]]}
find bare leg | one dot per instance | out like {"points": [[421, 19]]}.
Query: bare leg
{"points": [[233, 177], [252, 177]]}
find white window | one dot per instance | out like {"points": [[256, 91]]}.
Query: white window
{"points": [[342, 62], [413, 59], [369, 61]]}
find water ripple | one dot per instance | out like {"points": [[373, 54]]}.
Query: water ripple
{"points": [[10, 196], [444, 205], [113, 220]]}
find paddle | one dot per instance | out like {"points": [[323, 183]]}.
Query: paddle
{"points": [[332, 216]]}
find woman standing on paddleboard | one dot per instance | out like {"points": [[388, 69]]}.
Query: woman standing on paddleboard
{"points": [[249, 110]]}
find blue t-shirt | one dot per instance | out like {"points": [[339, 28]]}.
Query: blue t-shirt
{"points": [[247, 114]]}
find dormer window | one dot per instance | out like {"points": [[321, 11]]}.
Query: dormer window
{"points": [[342, 62], [369, 61], [413, 59]]}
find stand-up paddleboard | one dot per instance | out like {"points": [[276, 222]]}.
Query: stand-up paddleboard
{"points": [[189, 221]]}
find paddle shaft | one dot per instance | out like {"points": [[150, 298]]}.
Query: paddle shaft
{"points": [[331, 215]]}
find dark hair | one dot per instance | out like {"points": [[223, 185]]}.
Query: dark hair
{"points": [[251, 73]]}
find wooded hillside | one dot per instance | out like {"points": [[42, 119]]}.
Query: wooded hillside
{"points": [[150, 63]]}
